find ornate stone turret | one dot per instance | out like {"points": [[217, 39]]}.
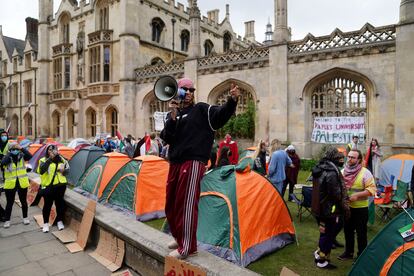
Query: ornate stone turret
{"points": [[282, 33], [407, 11], [268, 34], [195, 46]]}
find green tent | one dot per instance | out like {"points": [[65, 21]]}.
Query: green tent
{"points": [[389, 253], [241, 216], [81, 161]]}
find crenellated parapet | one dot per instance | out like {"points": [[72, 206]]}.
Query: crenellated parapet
{"points": [[367, 40]]}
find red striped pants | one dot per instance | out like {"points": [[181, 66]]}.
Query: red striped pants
{"points": [[181, 208]]}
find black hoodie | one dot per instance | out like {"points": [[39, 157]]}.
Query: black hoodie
{"points": [[191, 135], [331, 189]]}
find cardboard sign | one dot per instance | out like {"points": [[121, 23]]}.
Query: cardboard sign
{"points": [[287, 272], [110, 251], [32, 192], [176, 267], [84, 228]]}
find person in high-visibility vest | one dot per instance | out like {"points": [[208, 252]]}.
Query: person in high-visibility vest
{"points": [[360, 185], [4, 148], [53, 169], [15, 180]]}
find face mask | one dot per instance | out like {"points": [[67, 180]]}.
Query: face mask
{"points": [[4, 138], [15, 152], [340, 163]]}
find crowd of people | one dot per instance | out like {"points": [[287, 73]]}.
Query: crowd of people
{"points": [[342, 183]]}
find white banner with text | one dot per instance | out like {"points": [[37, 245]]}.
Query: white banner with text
{"points": [[338, 130]]}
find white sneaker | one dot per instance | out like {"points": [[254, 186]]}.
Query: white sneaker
{"points": [[173, 245], [45, 228], [26, 221], [60, 225], [6, 224]]}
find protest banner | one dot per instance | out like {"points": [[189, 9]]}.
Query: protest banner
{"points": [[338, 130]]}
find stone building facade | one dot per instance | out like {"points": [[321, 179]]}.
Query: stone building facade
{"points": [[97, 62]]}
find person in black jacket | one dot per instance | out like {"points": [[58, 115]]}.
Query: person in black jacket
{"points": [[189, 131], [331, 204]]}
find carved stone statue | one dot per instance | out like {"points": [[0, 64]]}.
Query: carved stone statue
{"points": [[80, 43]]}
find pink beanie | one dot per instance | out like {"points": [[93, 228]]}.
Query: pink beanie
{"points": [[185, 82]]}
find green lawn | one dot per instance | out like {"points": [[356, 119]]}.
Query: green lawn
{"points": [[299, 256]]}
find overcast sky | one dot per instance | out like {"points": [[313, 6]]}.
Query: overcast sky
{"points": [[319, 17]]}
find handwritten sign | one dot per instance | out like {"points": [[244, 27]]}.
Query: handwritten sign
{"points": [[176, 267], [338, 130], [159, 119]]}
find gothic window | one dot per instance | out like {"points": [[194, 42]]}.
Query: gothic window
{"points": [[156, 61], [104, 18], [14, 126], [28, 122], [208, 47], [4, 71], [94, 64], [157, 26], [57, 73], [226, 42], [67, 73], [185, 40], [15, 65], [71, 123], [15, 94], [344, 97], [106, 63], [56, 124], [2, 90], [90, 122], [27, 61], [28, 91], [64, 28], [112, 120]]}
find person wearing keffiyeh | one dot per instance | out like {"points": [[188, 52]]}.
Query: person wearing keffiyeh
{"points": [[360, 185]]}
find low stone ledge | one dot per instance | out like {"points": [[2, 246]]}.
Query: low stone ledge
{"points": [[145, 247]]}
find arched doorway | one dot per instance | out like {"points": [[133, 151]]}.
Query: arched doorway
{"points": [[14, 126], [71, 123], [243, 124], [56, 120], [28, 124], [90, 122], [111, 114]]}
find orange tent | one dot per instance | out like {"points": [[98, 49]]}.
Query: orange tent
{"points": [[138, 187], [33, 148], [66, 152], [241, 215]]}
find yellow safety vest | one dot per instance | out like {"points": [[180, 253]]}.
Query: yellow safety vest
{"points": [[47, 177], [44, 178], [12, 172], [357, 187], [5, 150]]}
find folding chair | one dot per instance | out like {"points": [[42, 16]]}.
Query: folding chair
{"points": [[305, 203], [399, 198]]}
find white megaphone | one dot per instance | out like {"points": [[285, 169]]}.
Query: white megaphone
{"points": [[165, 88]]}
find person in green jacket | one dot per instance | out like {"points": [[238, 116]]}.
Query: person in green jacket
{"points": [[53, 169], [15, 180]]}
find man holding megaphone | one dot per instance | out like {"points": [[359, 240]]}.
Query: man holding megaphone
{"points": [[189, 131]]}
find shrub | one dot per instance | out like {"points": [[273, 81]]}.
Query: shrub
{"points": [[307, 164], [241, 125]]}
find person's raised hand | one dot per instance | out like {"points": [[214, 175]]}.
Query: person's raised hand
{"points": [[234, 91]]}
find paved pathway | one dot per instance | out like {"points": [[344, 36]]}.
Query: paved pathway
{"points": [[26, 250]]}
